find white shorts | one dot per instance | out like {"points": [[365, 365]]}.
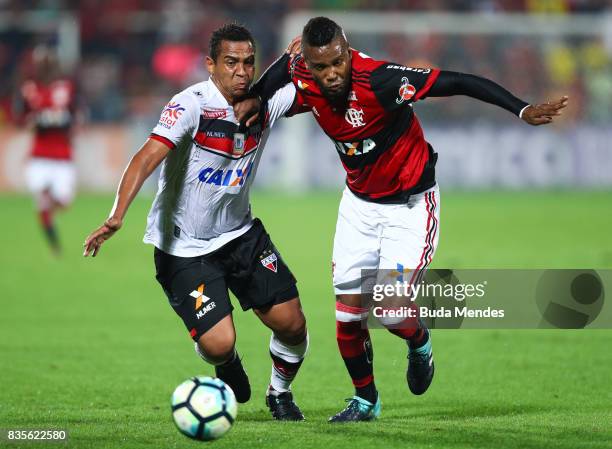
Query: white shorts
{"points": [[56, 176], [373, 236]]}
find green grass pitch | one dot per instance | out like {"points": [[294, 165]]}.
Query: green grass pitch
{"points": [[93, 347]]}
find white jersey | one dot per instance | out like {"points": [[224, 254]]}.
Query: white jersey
{"points": [[202, 200]]}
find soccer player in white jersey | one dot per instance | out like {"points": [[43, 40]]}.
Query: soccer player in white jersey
{"points": [[205, 238]]}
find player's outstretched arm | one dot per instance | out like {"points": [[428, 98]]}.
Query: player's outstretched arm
{"points": [[454, 83], [144, 162]]}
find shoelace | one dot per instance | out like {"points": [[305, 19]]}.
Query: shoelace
{"points": [[354, 406], [419, 358], [286, 404]]}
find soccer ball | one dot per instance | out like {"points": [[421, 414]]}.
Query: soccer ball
{"points": [[203, 408]]}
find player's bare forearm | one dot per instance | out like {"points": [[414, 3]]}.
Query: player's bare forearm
{"points": [[144, 162], [454, 83], [140, 167]]}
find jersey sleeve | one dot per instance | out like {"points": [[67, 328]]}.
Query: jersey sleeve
{"points": [[179, 117], [281, 102], [396, 85], [274, 78], [300, 78], [300, 105], [455, 83]]}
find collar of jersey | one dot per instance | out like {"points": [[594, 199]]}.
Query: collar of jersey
{"points": [[214, 90]]}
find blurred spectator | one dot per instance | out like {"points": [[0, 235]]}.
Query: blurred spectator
{"points": [[46, 104], [123, 42]]}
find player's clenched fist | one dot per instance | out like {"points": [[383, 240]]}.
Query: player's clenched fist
{"points": [[541, 114], [94, 241]]}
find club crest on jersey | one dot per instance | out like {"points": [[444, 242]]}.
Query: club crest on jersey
{"points": [[270, 262], [406, 91], [238, 149], [60, 95], [354, 117]]}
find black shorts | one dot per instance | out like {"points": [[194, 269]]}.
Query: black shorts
{"points": [[250, 266]]}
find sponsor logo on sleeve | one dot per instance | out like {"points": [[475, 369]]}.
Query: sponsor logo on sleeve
{"points": [[406, 91], [409, 69], [171, 114]]}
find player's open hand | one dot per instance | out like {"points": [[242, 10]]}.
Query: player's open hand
{"points": [[94, 241], [247, 111], [294, 47], [541, 114]]}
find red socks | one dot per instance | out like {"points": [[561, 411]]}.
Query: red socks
{"points": [[354, 343]]}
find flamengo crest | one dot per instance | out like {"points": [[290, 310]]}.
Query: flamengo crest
{"points": [[354, 117]]}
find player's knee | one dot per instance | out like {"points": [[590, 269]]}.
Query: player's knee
{"points": [[292, 331], [297, 329], [216, 354], [351, 299], [216, 348]]}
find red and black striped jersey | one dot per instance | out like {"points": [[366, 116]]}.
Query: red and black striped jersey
{"points": [[376, 133], [51, 107]]}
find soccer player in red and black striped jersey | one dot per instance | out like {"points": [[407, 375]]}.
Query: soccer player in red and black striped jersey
{"points": [[389, 214], [47, 103]]}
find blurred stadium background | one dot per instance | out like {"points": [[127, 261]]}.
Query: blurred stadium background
{"points": [[130, 56]]}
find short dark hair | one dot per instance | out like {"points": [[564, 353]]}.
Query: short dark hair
{"points": [[233, 32], [320, 31]]}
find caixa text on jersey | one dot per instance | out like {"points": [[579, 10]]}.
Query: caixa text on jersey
{"points": [[225, 177]]}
